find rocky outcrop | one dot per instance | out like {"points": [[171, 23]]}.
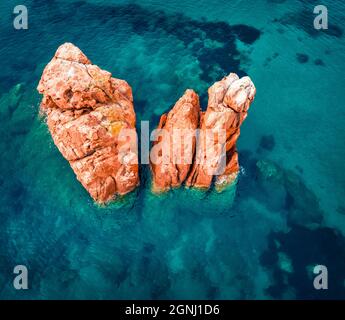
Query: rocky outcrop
{"points": [[87, 110], [173, 150], [215, 155], [228, 104]]}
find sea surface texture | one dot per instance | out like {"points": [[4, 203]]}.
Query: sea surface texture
{"points": [[288, 212]]}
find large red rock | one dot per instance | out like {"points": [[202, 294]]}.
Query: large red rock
{"points": [[174, 148], [86, 111]]}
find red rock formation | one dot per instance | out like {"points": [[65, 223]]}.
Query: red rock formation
{"points": [[172, 153], [86, 110], [215, 153]]}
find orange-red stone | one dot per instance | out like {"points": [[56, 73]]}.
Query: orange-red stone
{"points": [[228, 104], [86, 110], [172, 153]]}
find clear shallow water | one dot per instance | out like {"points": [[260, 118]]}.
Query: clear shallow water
{"points": [[184, 244]]}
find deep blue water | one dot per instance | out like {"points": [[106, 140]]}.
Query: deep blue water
{"points": [[184, 244]]}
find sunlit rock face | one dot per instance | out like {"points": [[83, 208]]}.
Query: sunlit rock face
{"points": [[214, 154], [86, 112], [228, 104], [173, 151]]}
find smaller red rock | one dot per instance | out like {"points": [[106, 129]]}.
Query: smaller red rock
{"points": [[172, 155], [214, 153], [228, 103]]}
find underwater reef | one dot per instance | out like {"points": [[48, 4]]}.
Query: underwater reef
{"points": [[86, 109]]}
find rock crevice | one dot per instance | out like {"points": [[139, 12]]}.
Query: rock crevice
{"points": [[213, 151]]}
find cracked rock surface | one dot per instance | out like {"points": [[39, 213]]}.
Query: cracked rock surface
{"points": [[177, 143], [228, 104], [86, 110]]}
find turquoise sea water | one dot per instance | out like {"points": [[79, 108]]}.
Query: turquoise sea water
{"points": [[289, 209]]}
